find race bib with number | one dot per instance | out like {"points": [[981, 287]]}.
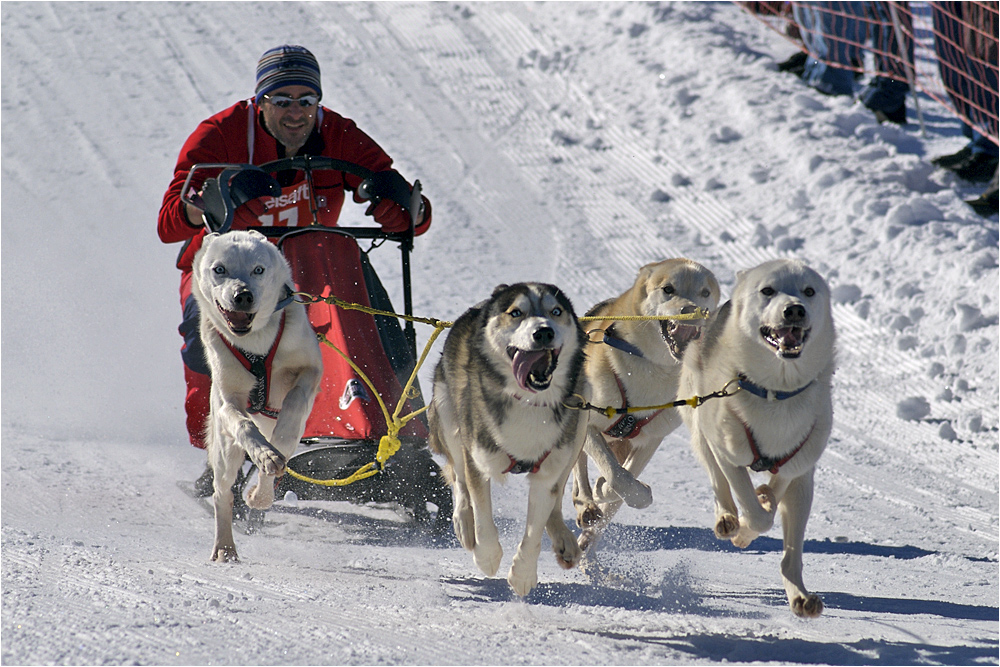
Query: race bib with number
{"points": [[291, 208]]}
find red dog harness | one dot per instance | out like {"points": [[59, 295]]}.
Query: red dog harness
{"points": [[762, 463], [520, 467], [627, 426], [260, 368]]}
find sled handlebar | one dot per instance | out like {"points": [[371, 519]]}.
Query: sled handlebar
{"points": [[276, 232], [236, 184]]}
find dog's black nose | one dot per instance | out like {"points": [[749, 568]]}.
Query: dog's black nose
{"points": [[544, 335], [690, 308], [795, 313], [243, 299]]}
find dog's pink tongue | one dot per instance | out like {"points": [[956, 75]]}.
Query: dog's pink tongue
{"points": [[238, 320], [684, 333], [522, 364]]}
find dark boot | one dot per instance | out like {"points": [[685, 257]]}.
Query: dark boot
{"points": [[204, 486], [987, 203], [954, 160], [796, 64], [898, 116], [978, 169]]}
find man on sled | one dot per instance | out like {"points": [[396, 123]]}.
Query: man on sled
{"points": [[283, 119]]}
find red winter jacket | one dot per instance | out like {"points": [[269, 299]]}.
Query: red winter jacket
{"points": [[226, 138]]}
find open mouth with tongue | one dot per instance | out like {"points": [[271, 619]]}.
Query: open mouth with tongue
{"points": [[677, 336], [533, 368], [239, 322], [786, 341]]}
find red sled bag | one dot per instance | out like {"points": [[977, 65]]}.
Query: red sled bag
{"points": [[324, 263], [344, 431]]}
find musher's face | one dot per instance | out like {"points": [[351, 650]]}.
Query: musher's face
{"points": [[292, 124]]}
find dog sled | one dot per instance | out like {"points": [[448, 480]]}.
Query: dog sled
{"points": [[368, 357]]}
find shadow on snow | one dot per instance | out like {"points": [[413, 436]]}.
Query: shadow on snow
{"points": [[723, 647], [642, 538]]}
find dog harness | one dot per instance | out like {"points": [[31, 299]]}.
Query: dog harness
{"points": [[610, 338], [764, 463], [520, 467], [260, 367], [627, 426], [768, 394]]}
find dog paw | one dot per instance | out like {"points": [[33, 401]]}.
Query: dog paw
{"points": [[522, 578], [267, 460], [567, 550], [261, 496], [639, 495], [630, 490], [765, 496], [589, 515], [487, 558], [744, 536], [224, 553], [809, 606], [726, 526], [465, 527]]}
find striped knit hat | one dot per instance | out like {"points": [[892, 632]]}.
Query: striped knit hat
{"points": [[286, 65]]}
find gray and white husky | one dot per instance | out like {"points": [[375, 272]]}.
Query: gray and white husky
{"points": [[265, 363], [509, 367], [775, 338]]}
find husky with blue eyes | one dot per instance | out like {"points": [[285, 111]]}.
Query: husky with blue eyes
{"points": [[774, 339], [265, 365], [506, 397]]}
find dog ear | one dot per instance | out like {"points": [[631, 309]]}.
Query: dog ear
{"points": [[642, 285], [644, 272], [499, 288], [205, 242], [254, 233]]}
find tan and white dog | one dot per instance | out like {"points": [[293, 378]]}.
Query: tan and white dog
{"points": [[775, 337], [265, 364], [511, 368], [638, 364]]}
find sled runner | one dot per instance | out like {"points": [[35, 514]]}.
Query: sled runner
{"points": [[366, 357]]}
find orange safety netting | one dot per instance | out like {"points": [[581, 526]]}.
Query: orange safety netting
{"points": [[949, 49]]}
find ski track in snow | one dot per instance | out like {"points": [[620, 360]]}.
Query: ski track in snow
{"points": [[563, 142]]}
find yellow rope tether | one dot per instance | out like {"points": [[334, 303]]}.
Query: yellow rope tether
{"points": [[347, 305], [700, 314], [389, 444], [729, 389]]}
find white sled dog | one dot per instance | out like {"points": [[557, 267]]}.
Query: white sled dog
{"points": [[509, 366], [265, 364], [638, 364], [775, 337]]}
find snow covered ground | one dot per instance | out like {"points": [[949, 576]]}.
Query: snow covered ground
{"points": [[564, 142]]}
